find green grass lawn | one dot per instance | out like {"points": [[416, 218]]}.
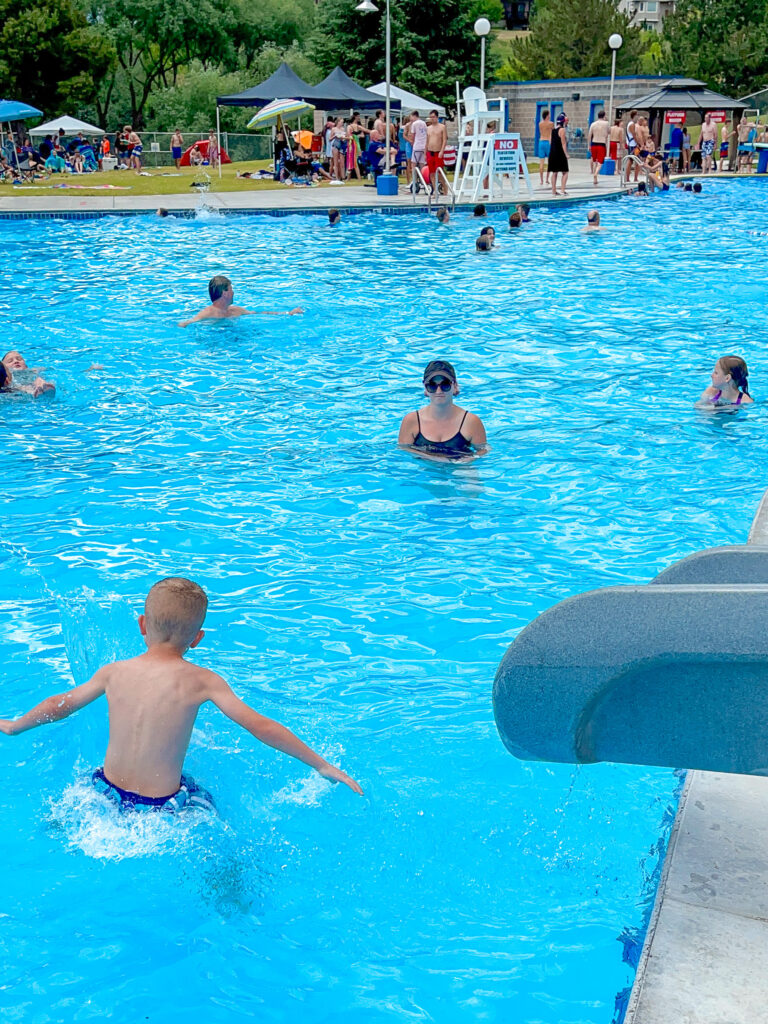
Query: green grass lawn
{"points": [[162, 182]]}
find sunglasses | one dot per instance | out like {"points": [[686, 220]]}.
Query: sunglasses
{"points": [[443, 383]]}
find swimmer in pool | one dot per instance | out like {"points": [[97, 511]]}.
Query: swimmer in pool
{"points": [[730, 385], [20, 377], [221, 292], [483, 244], [442, 429], [443, 216], [153, 702], [593, 222]]}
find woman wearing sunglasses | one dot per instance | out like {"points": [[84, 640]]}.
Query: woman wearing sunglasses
{"points": [[442, 428]]}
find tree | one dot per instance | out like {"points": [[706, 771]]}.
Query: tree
{"points": [[569, 39], [50, 56], [153, 40], [722, 42], [433, 44]]}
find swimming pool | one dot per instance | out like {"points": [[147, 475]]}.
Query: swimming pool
{"points": [[359, 595]]}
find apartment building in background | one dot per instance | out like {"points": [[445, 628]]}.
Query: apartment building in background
{"points": [[647, 13]]}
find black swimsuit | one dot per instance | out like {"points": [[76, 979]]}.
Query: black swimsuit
{"points": [[456, 445]]}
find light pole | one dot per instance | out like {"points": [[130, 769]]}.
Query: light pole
{"points": [[614, 41], [482, 28], [367, 7]]}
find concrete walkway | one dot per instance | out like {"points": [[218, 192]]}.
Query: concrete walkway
{"points": [[288, 199]]}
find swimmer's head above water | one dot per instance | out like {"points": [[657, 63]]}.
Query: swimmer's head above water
{"points": [[479, 211], [174, 613], [593, 218], [219, 286], [334, 216], [442, 215], [440, 377], [14, 360], [483, 244]]}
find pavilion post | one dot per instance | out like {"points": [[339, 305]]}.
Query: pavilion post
{"points": [[218, 136]]}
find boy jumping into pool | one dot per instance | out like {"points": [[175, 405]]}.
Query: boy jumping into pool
{"points": [[153, 701], [221, 294]]}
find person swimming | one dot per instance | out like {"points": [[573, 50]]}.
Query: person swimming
{"points": [[483, 244], [453, 432], [515, 220], [221, 294], [730, 385], [593, 221], [333, 217], [20, 377], [479, 211], [443, 215]]}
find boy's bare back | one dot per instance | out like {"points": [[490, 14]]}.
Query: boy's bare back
{"points": [[153, 701]]}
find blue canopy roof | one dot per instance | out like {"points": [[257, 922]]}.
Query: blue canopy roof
{"points": [[15, 110]]}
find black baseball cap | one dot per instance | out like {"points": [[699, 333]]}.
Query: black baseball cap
{"points": [[437, 367]]}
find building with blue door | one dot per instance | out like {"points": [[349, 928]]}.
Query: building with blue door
{"points": [[579, 98]]}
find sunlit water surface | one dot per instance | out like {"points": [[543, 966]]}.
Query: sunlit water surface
{"points": [[358, 594]]}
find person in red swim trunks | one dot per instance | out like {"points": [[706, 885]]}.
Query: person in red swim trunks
{"points": [[437, 137], [597, 138]]}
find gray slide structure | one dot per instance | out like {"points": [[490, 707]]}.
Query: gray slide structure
{"points": [[674, 673]]}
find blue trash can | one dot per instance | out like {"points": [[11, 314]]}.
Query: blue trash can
{"points": [[762, 162], [609, 167], [386, 185]]}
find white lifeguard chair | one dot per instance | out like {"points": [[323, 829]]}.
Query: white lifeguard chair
{"points": [[493, 155]]}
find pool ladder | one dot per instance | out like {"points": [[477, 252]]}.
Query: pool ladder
{"points": [[419, 181]]}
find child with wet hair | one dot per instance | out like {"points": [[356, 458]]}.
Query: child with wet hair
{"points": [[730, 384], [153, 702]]}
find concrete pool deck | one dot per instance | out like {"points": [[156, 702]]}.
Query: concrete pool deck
{"points": [[286, 200], [705, 956]]}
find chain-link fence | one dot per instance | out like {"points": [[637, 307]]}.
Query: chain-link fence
{"points": [[157, 146]]}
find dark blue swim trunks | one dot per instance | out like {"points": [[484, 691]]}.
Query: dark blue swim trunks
{"points": [[188, 795]]}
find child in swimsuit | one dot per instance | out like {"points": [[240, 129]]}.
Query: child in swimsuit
{"points": [[153, 702], [729, 384], [451, 432]]}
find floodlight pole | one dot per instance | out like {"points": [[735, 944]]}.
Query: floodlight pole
{"points": [[368, 7], [388, 34], [614, 41]]}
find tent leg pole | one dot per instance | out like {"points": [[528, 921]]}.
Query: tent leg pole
{"points": [[218, 136]]}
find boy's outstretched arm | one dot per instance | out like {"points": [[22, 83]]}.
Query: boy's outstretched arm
{"points": [[272, 733], [61, 705]]}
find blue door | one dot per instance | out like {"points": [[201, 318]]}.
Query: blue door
{"points": [[555, 108], [540, 108], [594, 108]]}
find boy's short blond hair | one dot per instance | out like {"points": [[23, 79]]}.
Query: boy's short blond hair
{"points": [[175, 610]]}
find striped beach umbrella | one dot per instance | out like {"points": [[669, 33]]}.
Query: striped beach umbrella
{"points": [[278, 110]]}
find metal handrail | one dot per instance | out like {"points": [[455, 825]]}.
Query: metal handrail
{"points": [[441, 174], [631, 157], [417, 178]]}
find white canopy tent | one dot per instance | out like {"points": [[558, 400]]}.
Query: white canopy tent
{"points": [[71, 126], [410, 101]]}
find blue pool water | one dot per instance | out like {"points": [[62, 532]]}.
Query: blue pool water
{"points": [[359, 595]]}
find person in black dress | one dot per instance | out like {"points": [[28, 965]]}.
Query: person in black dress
{"points": [[558, 155]]}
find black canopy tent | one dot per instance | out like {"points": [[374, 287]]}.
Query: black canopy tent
{"points": [[686, 95], [283, 84], [338, 91]]}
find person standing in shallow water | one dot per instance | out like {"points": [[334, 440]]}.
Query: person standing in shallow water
{"points": [[558, 155], [442, 429]]}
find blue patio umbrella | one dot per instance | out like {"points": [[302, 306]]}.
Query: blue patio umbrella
{"points": [[15, 110]]}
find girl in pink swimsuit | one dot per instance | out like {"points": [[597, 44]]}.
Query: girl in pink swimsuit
{"points": [[729, 384]]}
